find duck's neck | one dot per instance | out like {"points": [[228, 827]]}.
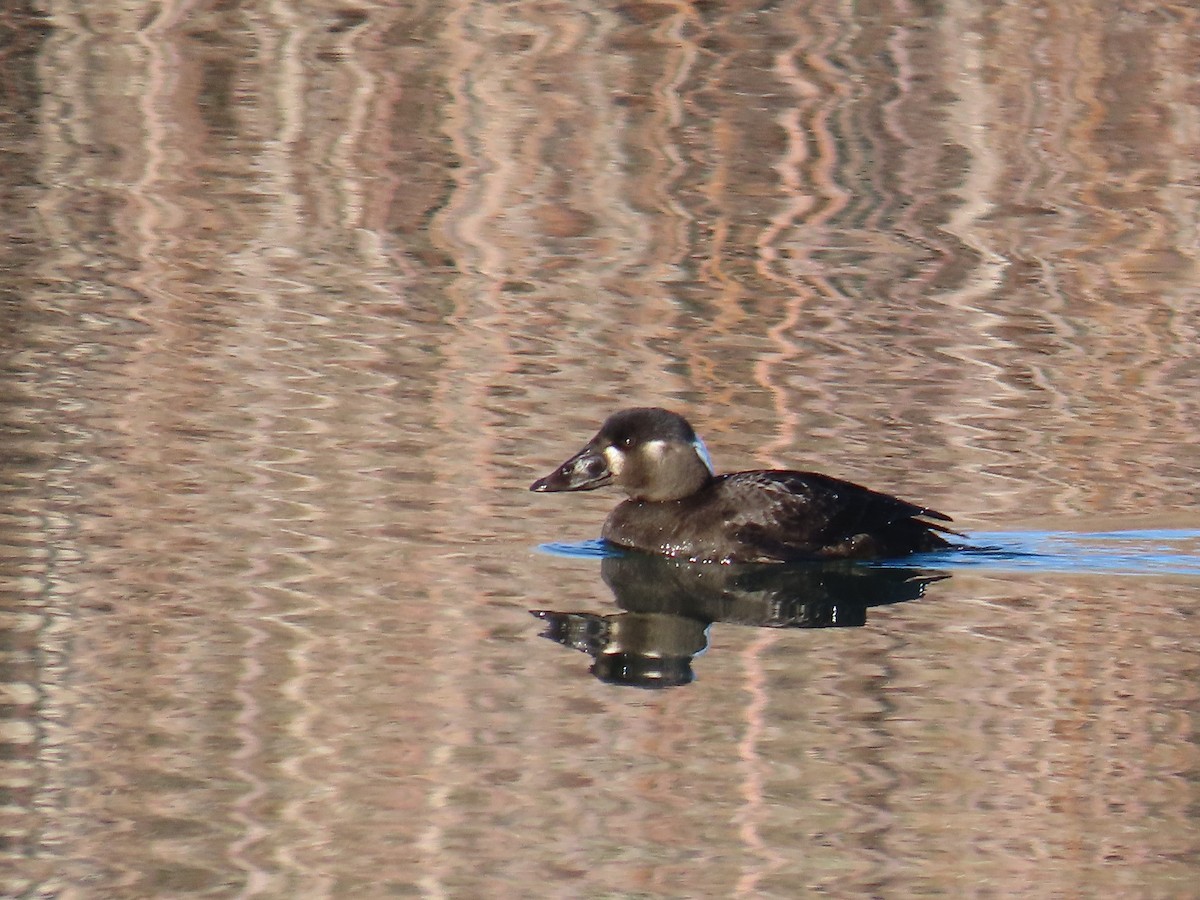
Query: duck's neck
{"points": [[674, 473]]}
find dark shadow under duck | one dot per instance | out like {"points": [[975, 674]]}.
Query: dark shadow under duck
{"points": [[667, 605], [679, 507]]}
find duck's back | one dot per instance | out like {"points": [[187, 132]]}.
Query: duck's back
{"points": [[777, 516]]}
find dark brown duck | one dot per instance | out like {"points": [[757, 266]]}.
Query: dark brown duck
{"points": [[679, 507]]}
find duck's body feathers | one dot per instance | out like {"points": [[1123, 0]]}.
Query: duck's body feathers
{"points": [[777, 516]]}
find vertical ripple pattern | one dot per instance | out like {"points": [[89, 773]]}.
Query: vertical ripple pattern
{"points": [[299, 296]]}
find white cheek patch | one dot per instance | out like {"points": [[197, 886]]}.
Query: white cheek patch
{"points": [[615, 459], [702, 452], [656, 450]]}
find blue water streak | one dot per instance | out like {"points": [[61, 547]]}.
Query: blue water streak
{"points": [[595, 549], [1136, 552]]}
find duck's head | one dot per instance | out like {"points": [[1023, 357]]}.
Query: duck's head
{"points": [[649, 453]]}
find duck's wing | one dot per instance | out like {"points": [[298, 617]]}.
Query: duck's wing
{"points": [[800, 513]]}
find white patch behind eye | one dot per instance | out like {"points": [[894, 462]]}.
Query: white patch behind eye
{"points": [[615, 459], [702, 452], [655, 449]]}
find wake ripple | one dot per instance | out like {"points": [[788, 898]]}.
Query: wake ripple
{"points": [[1135, 552]]}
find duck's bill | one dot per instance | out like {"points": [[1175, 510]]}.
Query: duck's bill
{"points": [[585, 471]]}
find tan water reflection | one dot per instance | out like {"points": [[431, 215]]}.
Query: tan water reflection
{"points": [[299, 297]]}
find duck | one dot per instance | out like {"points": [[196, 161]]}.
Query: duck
{"points": [[678, 506]]}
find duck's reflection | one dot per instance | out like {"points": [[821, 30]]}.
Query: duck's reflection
{"points": [[668, 606]]}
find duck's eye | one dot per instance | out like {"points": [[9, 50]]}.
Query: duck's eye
{"points": [[625, 442]]}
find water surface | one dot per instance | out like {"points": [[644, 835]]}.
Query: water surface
{"points": [[298, 299]]}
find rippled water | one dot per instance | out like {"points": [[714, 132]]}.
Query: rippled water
{"points": [[298, 299]]}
